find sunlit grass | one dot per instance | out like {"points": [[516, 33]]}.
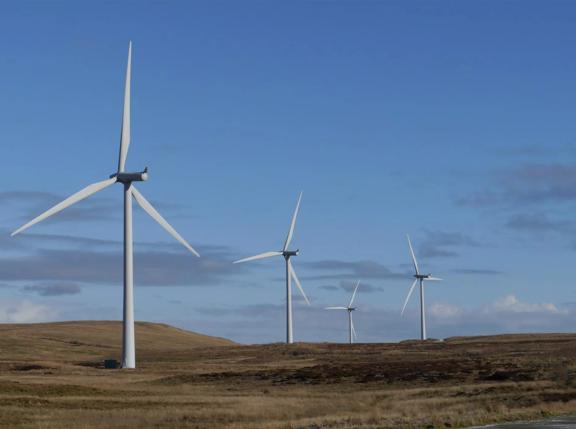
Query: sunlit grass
{"points": [[49, 379]]}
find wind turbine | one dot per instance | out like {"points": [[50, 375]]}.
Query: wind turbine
{"points": [[290, 273], [126, 179], [419, 278], [350, 309]]}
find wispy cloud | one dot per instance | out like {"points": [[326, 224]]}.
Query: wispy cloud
{"points": [[441, 244], [24, 311], [540, 223], [527, 185], [530, 199], [55, 289], [152, 268], [539, 151], [32, 241], [348, 286], [101, 207], [30, 204], [507, 314], [477, 271], [445, 311], [511, 304], [67, 259], [349, 270]]}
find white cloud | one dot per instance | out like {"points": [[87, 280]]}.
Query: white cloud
{"points": [[265, 322], [511, 304], [25, 312], [445, 311]]}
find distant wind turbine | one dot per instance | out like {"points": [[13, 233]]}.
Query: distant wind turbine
{"points": [[350, 309], [126, 179], [419, 278], [290, 273]]}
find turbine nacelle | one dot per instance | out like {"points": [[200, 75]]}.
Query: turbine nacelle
{"points": [[423, 276], [127, 178], [289, 253]]}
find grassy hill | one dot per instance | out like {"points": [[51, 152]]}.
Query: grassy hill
{"points": [[50, 378], [95, 340]]}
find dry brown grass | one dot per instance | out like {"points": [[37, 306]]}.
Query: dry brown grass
{"points": [[50, 378]]}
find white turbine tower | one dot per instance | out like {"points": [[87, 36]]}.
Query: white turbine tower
{"points": [[350, 309], [419, 278], [290, 273], [126, 179]]}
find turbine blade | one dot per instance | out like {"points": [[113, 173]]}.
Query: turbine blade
{"points": [[259, 256], [335, 308], [292, 224], [125, 134], [78, 196], [413, 256], [354, 294], [158, 218], [293, 273], [409, 294], [434, 279]]}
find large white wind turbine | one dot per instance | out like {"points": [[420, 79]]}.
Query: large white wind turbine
{"points": [[126, 179], [350, 309], [290, 273], [419, 278]]}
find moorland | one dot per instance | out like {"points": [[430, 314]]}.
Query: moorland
{"points": [[52, 376]]}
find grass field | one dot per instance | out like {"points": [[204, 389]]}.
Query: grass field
{"points": [[51, 376]]}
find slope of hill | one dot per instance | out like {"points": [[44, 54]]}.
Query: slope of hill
{"points": [[93, 340], [50, 379]]}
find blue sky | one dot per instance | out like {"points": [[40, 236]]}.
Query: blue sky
{"points": [[451, 121]]}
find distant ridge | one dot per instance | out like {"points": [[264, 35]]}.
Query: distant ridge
{"points": [[95, 340], [515, 337]]}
